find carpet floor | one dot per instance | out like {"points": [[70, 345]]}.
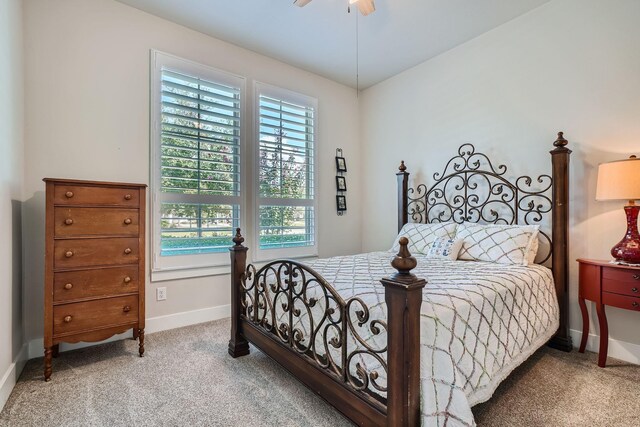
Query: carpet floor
{"points": [[187, 379]]}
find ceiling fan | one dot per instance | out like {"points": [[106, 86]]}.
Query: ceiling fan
{"points": [[364, 6]]}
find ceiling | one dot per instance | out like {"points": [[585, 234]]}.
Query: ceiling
{"points": [[321, 37]]}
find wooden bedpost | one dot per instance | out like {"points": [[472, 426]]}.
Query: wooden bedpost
{"points": [[560, 239], [403, 201], [403, 295], [238, 345]]}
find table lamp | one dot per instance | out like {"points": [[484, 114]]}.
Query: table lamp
{"points": [[620, 180]]}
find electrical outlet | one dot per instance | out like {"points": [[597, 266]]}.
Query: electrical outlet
{"points": [[161, 294]]}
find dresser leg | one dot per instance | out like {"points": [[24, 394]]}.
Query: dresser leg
{"points": [[48, 353], [585, 324], [141, 345], [135, 333], [604, 336]]}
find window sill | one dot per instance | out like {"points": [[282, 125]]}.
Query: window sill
{"points": [[301, 258], [189, 273]]}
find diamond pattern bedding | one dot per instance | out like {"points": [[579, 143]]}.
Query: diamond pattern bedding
{"points": [[479, 321], [504, 244], [422, 236]]}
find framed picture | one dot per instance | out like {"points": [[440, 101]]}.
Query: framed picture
{"points": [[342, 203], [341, 183], [341, 164]]}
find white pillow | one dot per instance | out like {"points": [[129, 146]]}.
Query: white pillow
{"points": [[502, 244], [421, 236], [445, 248], [534, 250]]}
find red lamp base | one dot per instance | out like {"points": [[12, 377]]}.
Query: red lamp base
{"points": [[628, 249]]}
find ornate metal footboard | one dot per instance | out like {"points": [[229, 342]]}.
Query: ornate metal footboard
{"points": [[295, 316]]}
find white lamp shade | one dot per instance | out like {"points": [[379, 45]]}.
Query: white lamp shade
{"points": [[619, 180]]}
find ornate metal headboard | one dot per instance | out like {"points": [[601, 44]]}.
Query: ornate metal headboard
{"points": [[470, 188]]}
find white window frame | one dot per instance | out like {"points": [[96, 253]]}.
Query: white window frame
{"points": [[196, 265], [263, 255]]}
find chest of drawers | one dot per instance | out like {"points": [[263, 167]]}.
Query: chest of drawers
{"points": [[94, 263]]}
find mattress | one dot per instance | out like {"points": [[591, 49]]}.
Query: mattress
{"points": [[479, 321]]}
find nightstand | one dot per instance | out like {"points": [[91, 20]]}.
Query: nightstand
{"points": [[606, 284]]}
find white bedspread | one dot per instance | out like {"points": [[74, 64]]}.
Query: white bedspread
{"points": [[479, 322]]}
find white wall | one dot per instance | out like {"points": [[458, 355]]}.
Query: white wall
{"points": [[11, 171], [571, 65], [87, 94]]}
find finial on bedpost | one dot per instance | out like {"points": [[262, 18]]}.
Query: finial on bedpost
{"points": [[238, 239], [560, 142], [402, 167], [403, 295], [404, 262]]}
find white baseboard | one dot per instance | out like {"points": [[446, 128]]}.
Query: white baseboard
{"points": [[153, 324], [186, 318], [621, 350], [9, 379]]}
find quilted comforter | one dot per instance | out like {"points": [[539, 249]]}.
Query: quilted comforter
{"points": [[479, 321]]}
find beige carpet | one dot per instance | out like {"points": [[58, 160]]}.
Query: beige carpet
{"points": [[187, 379]]}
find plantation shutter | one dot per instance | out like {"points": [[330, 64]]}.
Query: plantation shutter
{"points": [[199, 164], [286, 202]]}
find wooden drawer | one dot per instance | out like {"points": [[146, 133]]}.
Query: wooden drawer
{"points": [[84, 316], [621, 301], [89, 195], [73, 253], [620, 275], [101, 282], [71, 221], [621, 287]]}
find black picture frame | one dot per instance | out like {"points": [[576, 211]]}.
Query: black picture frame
{"points": [[341, 164], [341, 183], [341, 203]]}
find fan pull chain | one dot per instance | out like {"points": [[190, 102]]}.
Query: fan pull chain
{"points": [[357, 51], [357, 58]]}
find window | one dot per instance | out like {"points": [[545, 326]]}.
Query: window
{"points": [[286, 203], [196, 163]]}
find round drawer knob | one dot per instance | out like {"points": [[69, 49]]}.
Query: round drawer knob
{"points": [[126, 309], [635, 304], [68, 194], [127, 221], [68, 221], [127, 279], [634, 290], [127, 251], [68, 254], [68, 286], [127, 196], [636, 277], [67, 319]]}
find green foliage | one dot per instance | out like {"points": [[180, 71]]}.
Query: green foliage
{"points": [[280, 177]]}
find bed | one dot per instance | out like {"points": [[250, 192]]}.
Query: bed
{"points": [[418, 340]]}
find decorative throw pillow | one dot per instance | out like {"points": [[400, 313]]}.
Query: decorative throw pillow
{"points": [[421, 236], [502, 244], [446, 248]]}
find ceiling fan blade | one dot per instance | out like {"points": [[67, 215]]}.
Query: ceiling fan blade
{"points": [[366, 7], [301, 3]]}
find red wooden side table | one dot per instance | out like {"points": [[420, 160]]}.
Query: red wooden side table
{"points": [[606, 284]]}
